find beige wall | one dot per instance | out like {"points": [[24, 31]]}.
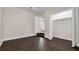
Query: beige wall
{"points": [[18, 23]]}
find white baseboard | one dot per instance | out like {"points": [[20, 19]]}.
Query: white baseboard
{"points": [[63, 38], [73, 44], [46, 36], [1, 43], [19, 37], [77, 45]]}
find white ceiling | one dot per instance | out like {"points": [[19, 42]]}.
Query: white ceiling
{"points": [[35, 9], [40, 10]]}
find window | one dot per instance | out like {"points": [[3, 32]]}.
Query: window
{"points": [[42, 24]]}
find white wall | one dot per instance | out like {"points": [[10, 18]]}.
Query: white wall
{"points": [[65, 14], [18, 23], [0, 26], [62, 28]]}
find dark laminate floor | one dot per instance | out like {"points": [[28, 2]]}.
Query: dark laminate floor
{"points": [[36, 43]]}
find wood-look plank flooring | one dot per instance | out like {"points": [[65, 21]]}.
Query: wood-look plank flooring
{"points": [[37, 43]]}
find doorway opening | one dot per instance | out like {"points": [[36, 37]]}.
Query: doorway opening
{"points": [[39, 26]]}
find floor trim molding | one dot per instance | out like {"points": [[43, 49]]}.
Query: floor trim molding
{"points": [[77, 45], [1, 43], [19, 37], [61, 38]]}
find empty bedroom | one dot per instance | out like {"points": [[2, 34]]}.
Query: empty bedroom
{"points": [[39, 29]]}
